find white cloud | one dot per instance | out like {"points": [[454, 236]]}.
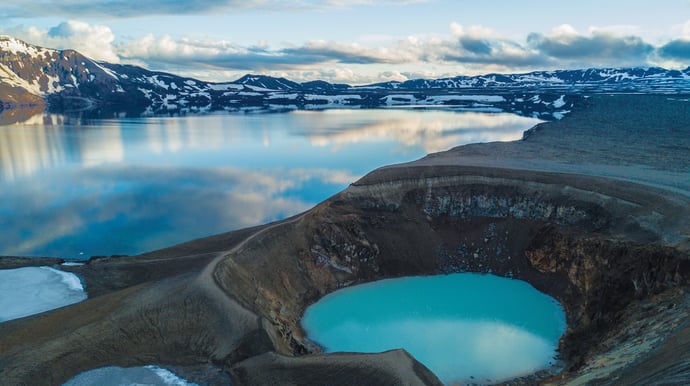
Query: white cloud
{"points": [[619, 30], [469, 50], [563, 32], [474, 31], [682, 29], [94, 41], [167, 48]]}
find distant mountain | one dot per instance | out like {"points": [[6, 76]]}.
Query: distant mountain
{"points": [[320, 85], [652, 79], [66, 81], [267, 83]]}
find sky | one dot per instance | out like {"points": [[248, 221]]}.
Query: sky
{"points": [[358, 41]]}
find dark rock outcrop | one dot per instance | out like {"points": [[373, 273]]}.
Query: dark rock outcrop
{"points": [[395, 367], [10, 262]]}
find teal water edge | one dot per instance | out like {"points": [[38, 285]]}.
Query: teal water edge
{"points": [[466, 328], [73, 189]]}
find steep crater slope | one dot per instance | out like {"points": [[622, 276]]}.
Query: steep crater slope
{"points": [[601, 247]]}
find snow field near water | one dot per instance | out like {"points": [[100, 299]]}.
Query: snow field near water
{"points": [[116, 376], [32, 290]]}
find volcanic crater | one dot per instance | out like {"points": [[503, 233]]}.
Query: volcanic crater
{"points": [[577, 208]]}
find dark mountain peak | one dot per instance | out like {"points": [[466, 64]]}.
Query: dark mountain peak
{"points": [[500, 78], [268, 82], [320, 85]]}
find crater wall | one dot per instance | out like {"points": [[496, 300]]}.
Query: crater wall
{"points": [[596, 245]]}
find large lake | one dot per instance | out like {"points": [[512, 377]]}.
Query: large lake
{"points": [[74, 188]]}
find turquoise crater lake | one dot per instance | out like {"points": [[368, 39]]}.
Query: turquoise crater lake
{"points": [[464, 327]]}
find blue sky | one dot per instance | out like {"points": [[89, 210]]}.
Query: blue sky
{"points": [[358, 41]]}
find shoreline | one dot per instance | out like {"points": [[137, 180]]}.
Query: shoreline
{"points": [[235, 299]]}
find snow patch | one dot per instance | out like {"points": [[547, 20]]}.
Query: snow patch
{"points": [[333, 99], [477, 98], [560, 114], [283, 96], [9, 77], [154, 79], [399, 99], [32, 290], [54, 85], [168, 377], [72, 264], [560, 102], [108, 71], [257, 88], [147, 93], [18, 47], [225, 86], [134, 376]]}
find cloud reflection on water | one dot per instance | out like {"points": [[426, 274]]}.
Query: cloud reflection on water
{"points": [[119, 210], [433, 130], [69, 186], [467, 328], [487, 350]]}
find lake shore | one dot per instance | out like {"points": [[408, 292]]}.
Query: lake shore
{"points": [[592, 209]]}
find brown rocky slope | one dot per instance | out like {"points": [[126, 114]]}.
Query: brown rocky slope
{"points": [[613, 251]]}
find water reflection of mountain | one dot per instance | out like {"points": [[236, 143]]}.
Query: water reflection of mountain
{"points": [[116, 209], [47, 141], [27, 150], [12, 116], [433, 131], [70, 185]]}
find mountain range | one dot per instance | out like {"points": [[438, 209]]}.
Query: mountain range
{"points": [[66, 81]]}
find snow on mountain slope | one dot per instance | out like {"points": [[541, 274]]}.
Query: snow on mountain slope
{"points": [[644, 79], [267, 83], [44, 71], [68, 81]]}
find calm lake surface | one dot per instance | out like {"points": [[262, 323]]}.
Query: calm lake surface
{"points": [[466, 328], [73, 189]]}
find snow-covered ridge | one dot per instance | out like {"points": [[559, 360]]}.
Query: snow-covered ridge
{"points": [[16, 46], [68, 81], [643, 78]]}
